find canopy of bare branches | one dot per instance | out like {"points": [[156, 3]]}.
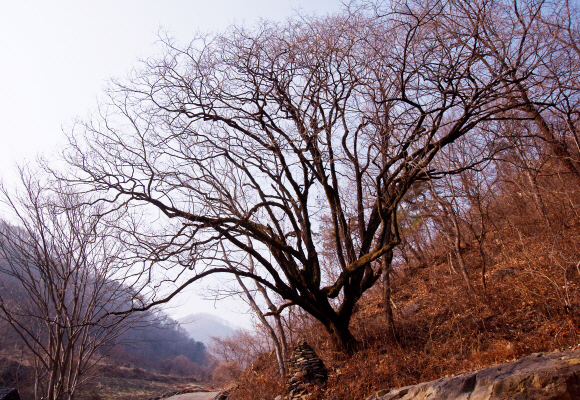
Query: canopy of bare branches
{"points": [[264, 140]]}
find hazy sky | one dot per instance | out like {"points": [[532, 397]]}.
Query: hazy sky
{"points": [[56, 57]]}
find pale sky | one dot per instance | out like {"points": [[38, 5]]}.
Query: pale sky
{"points": [[56, 57]]}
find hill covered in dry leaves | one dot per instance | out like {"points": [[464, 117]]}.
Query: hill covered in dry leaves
{"points": [[524, 274]]}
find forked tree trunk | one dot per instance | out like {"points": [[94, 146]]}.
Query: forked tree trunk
{"points": [[275, 341], [277, 318]]}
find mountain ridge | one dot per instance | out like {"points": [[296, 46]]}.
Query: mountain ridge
{"points": [[202, 326]]}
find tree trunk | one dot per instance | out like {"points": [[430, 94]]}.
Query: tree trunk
{"points": [[277, 318], [535, 190], [457, 248], [341, 335], [456, 242], [269, 329]]}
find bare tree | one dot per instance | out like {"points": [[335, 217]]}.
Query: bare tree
{"points": [[277, 336], [62, 274], [455, 238], [263, 133], [537, 41]]}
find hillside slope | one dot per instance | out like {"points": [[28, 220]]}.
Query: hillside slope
{"points": [[443, 331]]}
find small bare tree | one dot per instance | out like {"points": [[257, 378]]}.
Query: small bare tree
{"points": [[276, 332], [62, 275]]}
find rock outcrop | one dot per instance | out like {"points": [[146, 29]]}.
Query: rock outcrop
{"points": [[552, 376], [305, 369]]}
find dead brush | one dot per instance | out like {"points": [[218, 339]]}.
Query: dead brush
{"points": [[261, 380]]}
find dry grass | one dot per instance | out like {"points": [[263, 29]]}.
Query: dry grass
{"points": [[111, 383], [110, 388], [120, 383]]}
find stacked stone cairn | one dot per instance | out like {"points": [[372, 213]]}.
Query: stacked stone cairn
{"points": [[305, 370]]}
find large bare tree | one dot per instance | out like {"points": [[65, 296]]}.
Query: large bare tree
{"points": [[264, 133]]}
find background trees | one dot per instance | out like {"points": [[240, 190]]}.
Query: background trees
{"points": [[63, 273], [526, 191]]}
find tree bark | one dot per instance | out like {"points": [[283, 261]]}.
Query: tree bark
{"points": [[271, 332], [277, 318], [341, 335], [456, 240]]}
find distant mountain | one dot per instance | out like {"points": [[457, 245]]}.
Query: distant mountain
{"points": [[202, 326]]}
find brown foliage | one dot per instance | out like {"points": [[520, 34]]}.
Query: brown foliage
{"points": [[261, 380], [182, 366], [235, 353]]}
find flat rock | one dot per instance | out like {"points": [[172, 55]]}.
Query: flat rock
{"points": [[540, 376]]}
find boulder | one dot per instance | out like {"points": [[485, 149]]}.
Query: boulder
{"points": [[551, 376]]}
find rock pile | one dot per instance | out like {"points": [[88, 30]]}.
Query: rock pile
{"points": [[305, 370]]}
